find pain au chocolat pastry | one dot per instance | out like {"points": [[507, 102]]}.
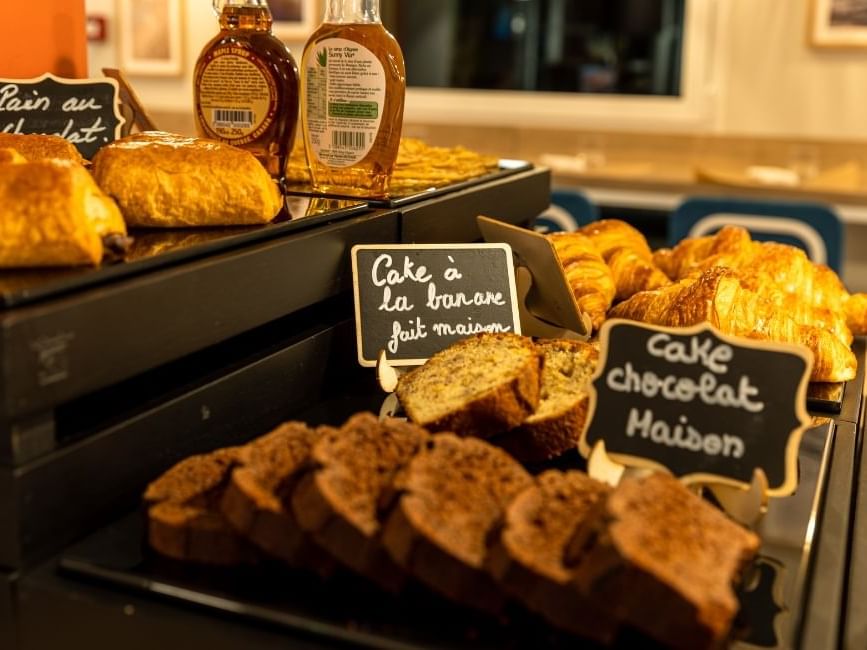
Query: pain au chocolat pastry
{"points": [[168, 181], [719, 297], [41, 147], [53, 214]]}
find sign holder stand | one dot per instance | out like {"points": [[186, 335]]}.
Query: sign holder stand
{"points": [[547, 306]]}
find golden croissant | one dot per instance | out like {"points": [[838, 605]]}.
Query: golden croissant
{"points": [[633, 273], [587, 273], [717, 296], [786, 267], [611, 234]]}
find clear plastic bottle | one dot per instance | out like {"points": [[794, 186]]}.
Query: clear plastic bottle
{"points": [[352, 96], [246, 85]]}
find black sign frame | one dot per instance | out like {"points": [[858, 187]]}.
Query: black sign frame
{"points": [[56, 106], [767, 439], [493, 273]]}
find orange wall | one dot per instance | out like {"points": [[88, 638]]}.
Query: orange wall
{"points": [[43, 36]]}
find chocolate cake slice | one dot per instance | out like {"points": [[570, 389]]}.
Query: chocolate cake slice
{"points": [[453, 494], [256, 499], [663, 561], [527, 559], [481, 386], [338, 500], [184, 519]]}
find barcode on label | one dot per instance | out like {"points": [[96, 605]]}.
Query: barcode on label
{"points": [[233, 117], [348, 139]]}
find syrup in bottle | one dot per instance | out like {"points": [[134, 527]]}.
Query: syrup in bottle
{"points": [[352, 97], [246, 85]]}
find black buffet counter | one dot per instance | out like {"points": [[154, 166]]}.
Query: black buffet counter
{"points": [[208, 339]]}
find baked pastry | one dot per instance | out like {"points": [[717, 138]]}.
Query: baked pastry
{"points": [[608, 235], [339, 499], [10, 155], [784, 269], [480, 386], [453, 493], [256, 499], [166, 181], [556, 424], [633, 273], [527, 557], [587, 273], [41, 147], [718, 297], [663, 561], [53, 214], [184, 520]]}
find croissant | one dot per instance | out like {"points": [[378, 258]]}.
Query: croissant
{"points": [[633, 273], [717, 296], [786, 267], [587, 273], [37, 146], [610, 234]]}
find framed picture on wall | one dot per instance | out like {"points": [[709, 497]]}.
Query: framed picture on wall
{"points": [[838, 23], [294, 20], [150, 37]]}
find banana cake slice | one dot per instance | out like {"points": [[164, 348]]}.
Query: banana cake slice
{"points": [[256, 499], [664, 561], [452, 496], [338, 501], [184, 519], [528, 557], [480, 386], [556, 424]]}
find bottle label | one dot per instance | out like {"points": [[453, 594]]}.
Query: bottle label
{"points": [[345, 95], [237, 95]]}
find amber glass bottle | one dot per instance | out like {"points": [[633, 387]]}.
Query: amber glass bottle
{"points": [[352, 96], [246, 85]]}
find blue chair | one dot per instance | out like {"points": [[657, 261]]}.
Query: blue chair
{"points": [[813, 227], [569, 210]]}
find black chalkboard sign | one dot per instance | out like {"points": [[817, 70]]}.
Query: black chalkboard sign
{"points": [[84, 111], [706, 406], [414, 300]]}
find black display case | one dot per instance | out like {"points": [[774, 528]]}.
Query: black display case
{"points": [[216, 345]]}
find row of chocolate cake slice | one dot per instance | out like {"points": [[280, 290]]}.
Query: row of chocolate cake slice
{"points": [[394, 503]]}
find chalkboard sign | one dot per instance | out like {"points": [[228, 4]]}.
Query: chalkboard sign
{"points": [[84, 111], [414, 300], [706, 406]]}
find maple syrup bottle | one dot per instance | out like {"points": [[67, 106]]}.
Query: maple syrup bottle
{"points": [[246, 85], [352, 95]]}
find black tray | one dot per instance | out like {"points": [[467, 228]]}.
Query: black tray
{"points": [[152, 249], [347, 609], [506, 168]]}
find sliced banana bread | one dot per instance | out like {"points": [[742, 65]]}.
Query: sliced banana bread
{"points": [[256, 499], [664, 562], [453, 494], [338, 500], [480, 386], [558, 421], [527, 559], [184, 519]]}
